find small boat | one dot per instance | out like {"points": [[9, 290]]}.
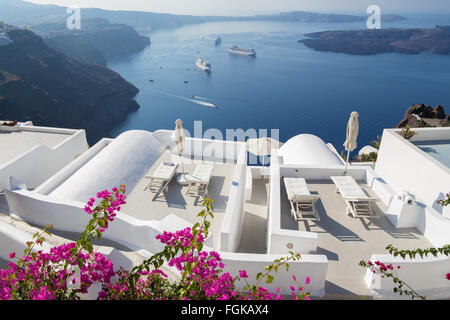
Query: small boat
{"points": [[202, 37], [186, 81], [218, 41], [203, 64], [245, 52]]}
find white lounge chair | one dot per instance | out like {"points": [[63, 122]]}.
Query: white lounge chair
{"points": [[359, 204], [303, 203], [160, 179], [198, 182]]}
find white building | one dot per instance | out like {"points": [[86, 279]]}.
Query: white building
{"points": [[253, 222]]}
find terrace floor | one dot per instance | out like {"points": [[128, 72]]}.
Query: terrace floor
{"points": [[18, 142], [346, 240], [145, 205]]}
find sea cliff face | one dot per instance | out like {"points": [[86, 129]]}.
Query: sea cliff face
{"points": [[96, 41], [368, 42], [40, 84]]}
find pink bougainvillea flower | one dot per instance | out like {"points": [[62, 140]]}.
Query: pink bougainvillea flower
{"points": [[12, 255], [308, 280], [243, 274], [447, 276]]}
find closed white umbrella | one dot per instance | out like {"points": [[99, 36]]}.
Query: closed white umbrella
{"points": [[350, 143], [262, 146], [179, 145]]}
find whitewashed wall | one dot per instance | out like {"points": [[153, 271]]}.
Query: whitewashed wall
{"points": [[40, 162], [221, 151], [313, 266], [57, 179], [280, 241], [407, 168], [426, 276], [233, 220], [69, 216]]}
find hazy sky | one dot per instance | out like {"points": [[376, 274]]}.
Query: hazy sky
{"points": [[243, 7]]}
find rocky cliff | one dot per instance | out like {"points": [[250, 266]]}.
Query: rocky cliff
{"points": [[40, 84], [422, 115], [96, 41]]}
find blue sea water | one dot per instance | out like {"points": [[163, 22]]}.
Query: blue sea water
{"points": [[287, 86]]}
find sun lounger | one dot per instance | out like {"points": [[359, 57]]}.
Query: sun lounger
{"points": [[303, 203], [198, 182], [160, 179], [359, 204]]}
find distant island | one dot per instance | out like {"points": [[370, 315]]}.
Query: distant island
{"points": [[369, 42], [40, 84]]}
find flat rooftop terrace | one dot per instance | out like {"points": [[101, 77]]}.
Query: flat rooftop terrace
{"points": [[346, 240], [146, 205], [16, 143]]}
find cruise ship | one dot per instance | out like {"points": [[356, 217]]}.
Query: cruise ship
{"points": [[203, 64], [246, 52]]}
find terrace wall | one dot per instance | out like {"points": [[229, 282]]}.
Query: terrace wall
{"points": [[69, 216], [233, 220], [40, 162], [405, 167], [426, 276]]}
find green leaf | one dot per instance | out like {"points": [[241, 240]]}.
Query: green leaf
{"points": [[269, 279]]}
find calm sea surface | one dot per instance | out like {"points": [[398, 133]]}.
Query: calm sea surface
{"points": [[287, 86]]}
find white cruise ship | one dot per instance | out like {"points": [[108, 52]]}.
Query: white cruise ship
{"points": [[203, 64], [246, 52]]}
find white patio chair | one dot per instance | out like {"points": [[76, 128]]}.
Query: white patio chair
{"points": [[198, 182], [160, 179], [303, 203], [359, 204]]}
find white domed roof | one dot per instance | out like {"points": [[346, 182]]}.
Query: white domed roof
{"points": [[123, 161], [308, 149]]}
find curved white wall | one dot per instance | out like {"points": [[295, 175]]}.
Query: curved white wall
{"points": [[426, 276], [307, 149], [123, 161]]}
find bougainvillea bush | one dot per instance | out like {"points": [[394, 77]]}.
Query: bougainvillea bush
{"points": [[71, 269], [40, 275]]}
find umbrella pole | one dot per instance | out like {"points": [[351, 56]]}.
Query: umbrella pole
{"points": [[346, 162], [182, 164]]}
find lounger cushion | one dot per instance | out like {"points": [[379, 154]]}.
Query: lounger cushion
{"points": [[164, 172], [349, 188], [202, 174], [296, 187]]}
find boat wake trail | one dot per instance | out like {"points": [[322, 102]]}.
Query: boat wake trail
{"points": [[193, 99], [202, 102]]}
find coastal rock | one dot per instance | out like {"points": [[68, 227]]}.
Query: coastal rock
{"points": [[40, 84], [422, 115]]}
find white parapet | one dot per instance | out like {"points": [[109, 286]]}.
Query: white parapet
{"points": [[425, 275]]}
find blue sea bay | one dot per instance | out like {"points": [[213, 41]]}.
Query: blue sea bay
{"points": [[287, 86]]}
